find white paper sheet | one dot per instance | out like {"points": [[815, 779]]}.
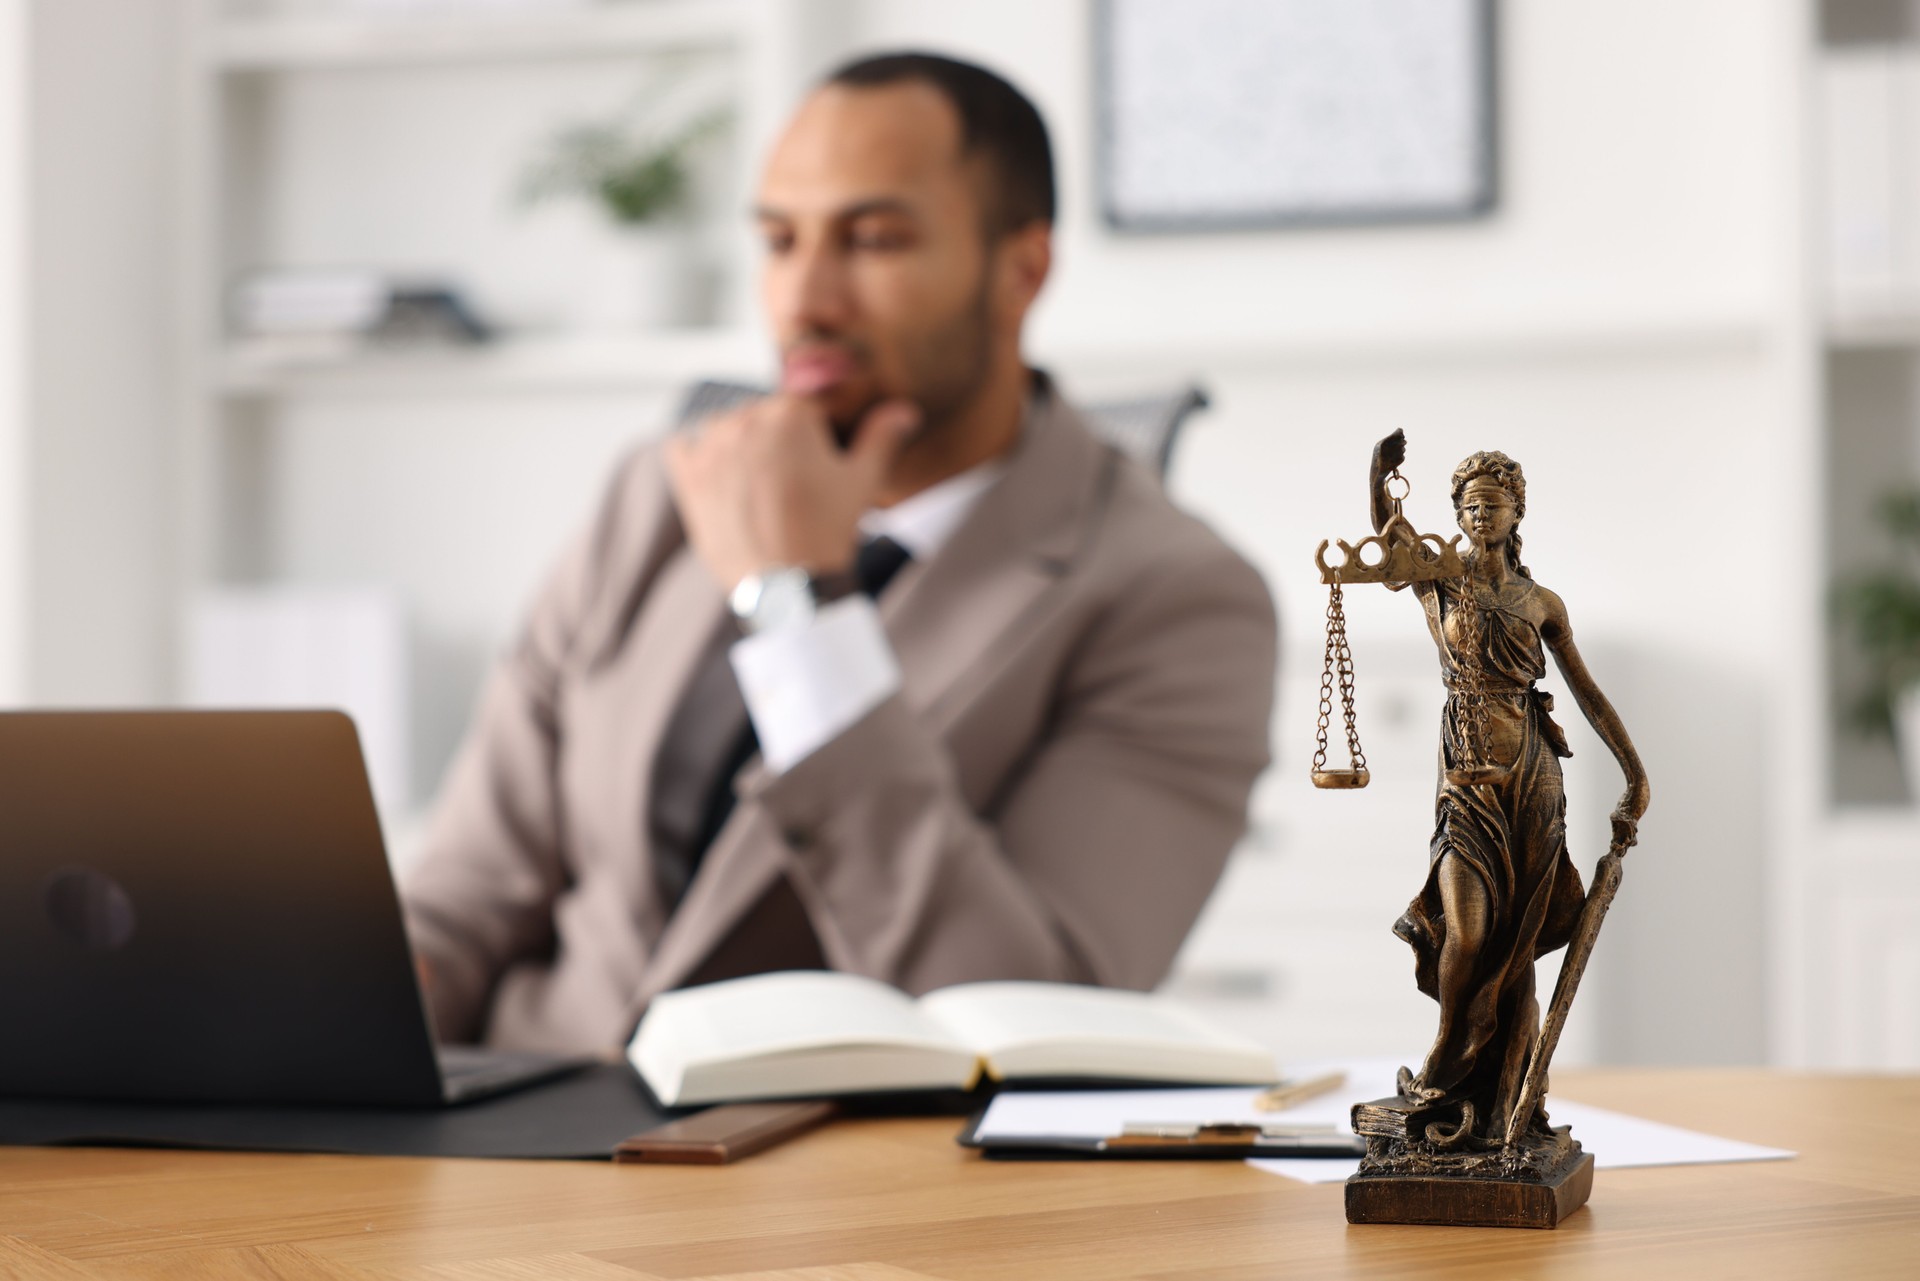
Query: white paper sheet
{"points": [[1099, 1114], [1616, 1141]]}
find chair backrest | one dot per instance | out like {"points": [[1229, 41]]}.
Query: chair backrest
{"points": [[1145, 427]]}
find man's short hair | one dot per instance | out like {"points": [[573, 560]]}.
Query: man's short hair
{"points": [[997, 122]]}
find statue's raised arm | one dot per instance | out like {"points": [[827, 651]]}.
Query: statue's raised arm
{"points": [[1395, 554], [1387, 457]]}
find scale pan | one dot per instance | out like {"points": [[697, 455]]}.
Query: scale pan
{"points": [[1341, 779]]}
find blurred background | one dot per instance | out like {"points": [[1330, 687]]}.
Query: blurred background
{"points": [[323, 321]]}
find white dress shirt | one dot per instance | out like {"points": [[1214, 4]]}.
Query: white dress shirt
{"points": [[806, 683]]}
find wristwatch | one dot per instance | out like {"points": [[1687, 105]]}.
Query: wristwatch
{"points": [[785, 595]]}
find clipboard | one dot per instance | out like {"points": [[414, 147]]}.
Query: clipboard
{"points": [[1180, 1141]]}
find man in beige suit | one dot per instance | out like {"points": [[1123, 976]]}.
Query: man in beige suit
{"points": [[898, 671]]}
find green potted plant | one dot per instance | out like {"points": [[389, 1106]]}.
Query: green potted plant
{"points": [[641, 181], [1882, 609]]}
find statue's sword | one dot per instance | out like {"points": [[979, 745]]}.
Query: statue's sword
{"points": [[1606, 879]]}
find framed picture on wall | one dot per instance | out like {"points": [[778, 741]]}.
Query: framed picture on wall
{"points": [[1224, 114]]}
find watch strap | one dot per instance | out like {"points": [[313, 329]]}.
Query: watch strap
{"points": [[830, 587]]}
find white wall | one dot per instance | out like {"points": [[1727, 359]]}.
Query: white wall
{"points": [[99, 347], [459, 504], [84, 415], [1615, 325], [1631, 154], [1634, 258], [1609, 444], [15, 459]]}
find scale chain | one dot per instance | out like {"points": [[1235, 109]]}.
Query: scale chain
{"points": [[1345, 658], [1337, 667]]}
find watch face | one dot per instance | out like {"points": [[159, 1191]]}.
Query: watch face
{"points": [[773, 599], [745, 597]]}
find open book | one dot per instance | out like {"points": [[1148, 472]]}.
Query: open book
{"points": [[811, 1033]]}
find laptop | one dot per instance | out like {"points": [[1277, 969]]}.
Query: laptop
{"points": [[196, 906]]}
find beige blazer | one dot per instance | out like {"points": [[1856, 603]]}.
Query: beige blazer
{"points": [[1088, 677]]}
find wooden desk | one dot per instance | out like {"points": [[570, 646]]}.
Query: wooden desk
{"points": [[895, 1200]]}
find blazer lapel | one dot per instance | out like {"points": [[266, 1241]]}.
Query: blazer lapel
{"points": [[944, 618]]}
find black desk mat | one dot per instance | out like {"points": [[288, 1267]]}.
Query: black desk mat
{"points": [[581, 1116]]}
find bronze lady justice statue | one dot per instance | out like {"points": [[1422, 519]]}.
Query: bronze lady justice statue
{"points": [[1500, 891]]}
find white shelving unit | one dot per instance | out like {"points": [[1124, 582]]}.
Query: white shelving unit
{"points": [[1866, 138], [534, 365], [358, 40], [1846, 888], [322, 135]]}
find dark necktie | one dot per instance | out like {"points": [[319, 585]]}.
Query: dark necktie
{"points": [[874, 566], [877, 561]]}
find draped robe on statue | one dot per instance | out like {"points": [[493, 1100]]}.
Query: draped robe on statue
{"points": [[1512, 834]]}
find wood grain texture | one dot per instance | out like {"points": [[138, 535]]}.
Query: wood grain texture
{"points": [[532, 1267], [877, 1200], [851, 1272], [25, 1261]]}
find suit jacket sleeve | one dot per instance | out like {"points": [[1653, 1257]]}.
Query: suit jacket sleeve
{"points": [[482, 893], [1102, 848]]}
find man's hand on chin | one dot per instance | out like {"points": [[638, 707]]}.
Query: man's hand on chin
{"points": [[767, 485]]}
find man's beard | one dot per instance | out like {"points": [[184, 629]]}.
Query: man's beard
{"points": [[945, 370]]}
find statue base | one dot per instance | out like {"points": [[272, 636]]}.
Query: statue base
{"points": [[1540, 1180]]}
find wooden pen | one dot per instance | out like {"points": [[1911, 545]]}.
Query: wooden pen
{"points": [[1288, 1093]]}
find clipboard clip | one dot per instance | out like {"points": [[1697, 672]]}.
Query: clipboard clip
{"points": [[1149, 1134]]}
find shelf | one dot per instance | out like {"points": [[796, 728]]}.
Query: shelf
{"points": [[641, 362], [638, 362], [1469, 337], [1880, 327], [601, 30]]}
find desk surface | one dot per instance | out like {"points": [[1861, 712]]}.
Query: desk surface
{"points": [[897, 1200]]}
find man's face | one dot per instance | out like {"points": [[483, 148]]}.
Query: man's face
{"points": [[877, 278]]}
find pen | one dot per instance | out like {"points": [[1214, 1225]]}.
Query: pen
{"points": [[1230, 1138], [1288, 1093], [1221, 1131]]}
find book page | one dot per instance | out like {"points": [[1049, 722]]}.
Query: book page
{"points": [[1060, 1029], [776, 1035], [782, 1012]]}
